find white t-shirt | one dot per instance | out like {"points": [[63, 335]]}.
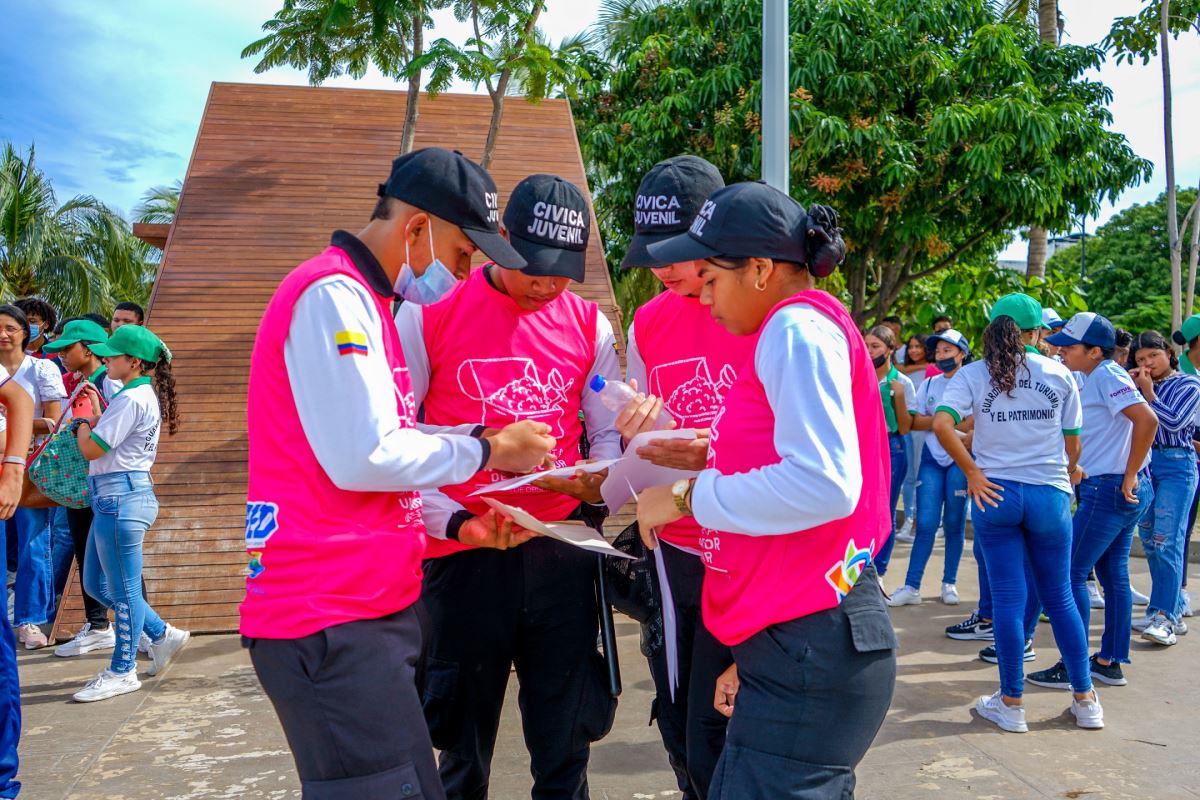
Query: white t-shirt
{"points": [[1019, 437], [929, 397], [128, 431], [43, 380], [910, 394], [1107, 433]]}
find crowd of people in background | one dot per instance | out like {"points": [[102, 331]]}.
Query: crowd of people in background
{"points": [[1120, 444]]}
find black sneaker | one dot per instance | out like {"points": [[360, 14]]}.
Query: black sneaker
{"points": [[973, 628], [988, 653], [1053, 678], [1112, 674]]}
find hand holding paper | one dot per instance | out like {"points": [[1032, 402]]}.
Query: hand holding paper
{"points": [[633, 473], [574, 533]]}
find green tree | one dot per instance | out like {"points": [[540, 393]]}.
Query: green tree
{"points": [[79, 255], [159, 204], [506, 46], [1128, 271], [329, 38], [934, 128]]}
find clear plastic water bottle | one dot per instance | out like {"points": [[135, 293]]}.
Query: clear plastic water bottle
{"points": [[615, 395]]}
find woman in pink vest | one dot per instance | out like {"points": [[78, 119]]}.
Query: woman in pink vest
{"points": [[793, 505], [686, 362], [508, 345]]}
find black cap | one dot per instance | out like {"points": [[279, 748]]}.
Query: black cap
{"points": [[745, 220], [667, 201], [449, 185], [548, 220]]}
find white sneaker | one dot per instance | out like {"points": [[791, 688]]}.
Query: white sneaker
{"points": [[108, 684], [144, 644], [906, 534], [949, 594], [1187, 605], [1094, 596], [1139, 599], [32, 636], [1088, 713], [1009, 718], [1160, 631], [88, 640], [161, 652], [941, 532], [1180, 628], [905, 596], [1141, 623]]}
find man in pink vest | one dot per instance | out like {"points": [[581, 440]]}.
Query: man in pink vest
{"points": [[507, 345], [793, 505], [334, 524]]}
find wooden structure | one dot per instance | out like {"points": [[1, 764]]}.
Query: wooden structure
{"points": [[274, 171]]}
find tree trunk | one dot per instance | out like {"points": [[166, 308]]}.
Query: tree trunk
{"points": [[1172, 198], [414, 86], [1193, 255], [489, 148], [1035, 266]]}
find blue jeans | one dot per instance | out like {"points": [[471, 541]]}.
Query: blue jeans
{"points": [[899, 450], [62, 548], [916, 445], [1033, 608], [34, 588], [1102, 533], [938, 487], [1162, 527], [1034, 522], [125, 508], [10, 704]]}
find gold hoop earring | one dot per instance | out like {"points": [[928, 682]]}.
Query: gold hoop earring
{"points": [[760, 288]]}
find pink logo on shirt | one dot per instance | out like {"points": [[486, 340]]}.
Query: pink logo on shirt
{"points": [[511, 387]]}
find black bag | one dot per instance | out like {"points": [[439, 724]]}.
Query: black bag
{"points": [[633, 583]]}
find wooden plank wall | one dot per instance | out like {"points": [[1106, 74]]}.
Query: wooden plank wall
{"points": [[275, 170]]}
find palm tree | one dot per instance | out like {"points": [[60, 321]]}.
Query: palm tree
{"points": [[329, 38], [159, 205], [77, 255]]}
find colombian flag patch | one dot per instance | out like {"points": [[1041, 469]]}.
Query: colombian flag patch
{"points": [[350, 343]]}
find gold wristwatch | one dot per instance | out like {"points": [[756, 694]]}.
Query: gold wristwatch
{"points": [[681, 490]]}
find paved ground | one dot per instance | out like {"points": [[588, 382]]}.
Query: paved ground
{"points": [[204, 730]]}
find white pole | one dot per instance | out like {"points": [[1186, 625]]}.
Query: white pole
{"points": [[775, 166]]}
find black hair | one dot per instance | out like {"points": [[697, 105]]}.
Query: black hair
{"points": [[164, 388], [16, 313], [1004, 353], [1106, 352], [134, 307], [62, 323], [893, 319], [383, 209], [1152, 340], [104, 321], [920, 337], [941, 318], [1124, 338], [36, 305]]}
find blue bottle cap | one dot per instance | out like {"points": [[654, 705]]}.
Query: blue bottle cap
{"points": [[598, 383]]}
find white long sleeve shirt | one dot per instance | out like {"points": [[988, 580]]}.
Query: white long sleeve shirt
{"points": [[802, 360], [603, 438], [347, 404]]}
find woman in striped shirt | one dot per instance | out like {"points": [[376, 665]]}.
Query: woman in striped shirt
{"points": [[1174, 397]]}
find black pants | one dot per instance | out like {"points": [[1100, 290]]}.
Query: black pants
{"points": [[692, 730], [79, 520], [349, 707], [533, 607], [814, 692]]}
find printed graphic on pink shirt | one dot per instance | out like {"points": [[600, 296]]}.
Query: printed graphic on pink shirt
{"points": [[512, 387], [696, 397], [408, 404], [844, 574]]}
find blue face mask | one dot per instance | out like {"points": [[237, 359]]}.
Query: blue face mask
{"points": [[34, 331], [429, 287]]}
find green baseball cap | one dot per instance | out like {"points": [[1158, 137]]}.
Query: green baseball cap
{"points": [[77, 330], [1024, 310], [1188, 331], [133, 340]]}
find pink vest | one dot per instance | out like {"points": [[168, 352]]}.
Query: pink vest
{"points": [[320, 555], [753, 582], [691, 362], [492, 364]]}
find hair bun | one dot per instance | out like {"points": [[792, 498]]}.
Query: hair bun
{"points": [[823, 241]]}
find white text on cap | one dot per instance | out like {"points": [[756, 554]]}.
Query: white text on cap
{"points": [[656, 209]]}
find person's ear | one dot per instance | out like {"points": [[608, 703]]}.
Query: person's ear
{"points": [[762, 269], [415, 228]]}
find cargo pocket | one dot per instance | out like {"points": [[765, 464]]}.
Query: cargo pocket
{"points": [[597, 706], [399, 782], [871, 629], [778, 777], [439, 700]]}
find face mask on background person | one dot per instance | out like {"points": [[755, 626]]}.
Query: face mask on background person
{"points": [[946, 364], [429, 287], [34, 331], [879, 360]]}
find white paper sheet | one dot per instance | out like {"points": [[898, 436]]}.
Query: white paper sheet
{"points": [[573, 533], [670, 635], [561, 472], [632, 473]]}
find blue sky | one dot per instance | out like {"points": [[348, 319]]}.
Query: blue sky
{"points": [[111, 92]]}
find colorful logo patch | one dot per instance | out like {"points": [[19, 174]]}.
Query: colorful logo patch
{"points": [[845, 573], [350, 343], [262, 520]]}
